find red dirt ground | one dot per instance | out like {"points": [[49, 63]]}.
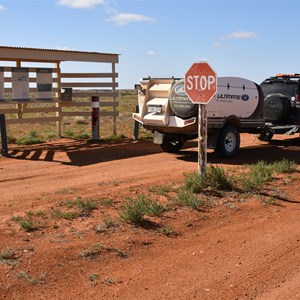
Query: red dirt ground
{"points": [[244, 247]]}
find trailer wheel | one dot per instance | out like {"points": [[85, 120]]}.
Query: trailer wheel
{"points": [[172, 143], [266, 135], [228, 143]]}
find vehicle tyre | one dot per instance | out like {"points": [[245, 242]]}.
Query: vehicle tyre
{"points": [[172, 143], [228, 143], [277, 108], [266, 135]]}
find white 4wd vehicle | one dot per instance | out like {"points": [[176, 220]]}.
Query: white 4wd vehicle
{"points": [[165, 109]]}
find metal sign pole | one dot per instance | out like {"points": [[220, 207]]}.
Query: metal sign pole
{"points": [[202, 139]]}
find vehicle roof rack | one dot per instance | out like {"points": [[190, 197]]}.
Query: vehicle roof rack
{"points": [[296, 75]]}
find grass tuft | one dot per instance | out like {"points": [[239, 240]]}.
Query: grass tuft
{"points": [[284, 166], [8, 256], [67, 215], [25, 276], [255, 176], [85, 206], [168, 231], [188, 199], [27, 223], [162, 190], [134, 210], [108, 223], [31, 139], [106, 202], [215, 178]]}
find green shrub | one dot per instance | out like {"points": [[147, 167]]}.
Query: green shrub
{"points": [[189, 199], [81, 136], [69, 133], [284, 166], [8, 256], [113, 137], [31, 139], [27, 223], [86, 206], [215, 178], [162, 190], [59, 214], [107, 223], [255, 176], [93, 252], [168, 231], [134, 210], [106, 202], [194, 182]]}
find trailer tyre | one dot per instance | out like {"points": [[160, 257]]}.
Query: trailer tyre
{"points": [[228, 143], [266, 135], [172, 143]]}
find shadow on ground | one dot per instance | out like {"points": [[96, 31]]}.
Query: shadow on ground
{"points": [[269, 152], [81, 153]]}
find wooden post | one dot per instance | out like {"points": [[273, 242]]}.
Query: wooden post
{"points": [[95, 118], [202, 139], [114, 98], [3, 135], [57, 104]]}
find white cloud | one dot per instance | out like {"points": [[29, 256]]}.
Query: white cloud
{"points": [[242, 35], [217, 45], [125, 18], [151, 52], [80, 3], [202, 59], [2, 7]]}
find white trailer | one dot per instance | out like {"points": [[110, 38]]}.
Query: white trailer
{"points": [[165, 109]]}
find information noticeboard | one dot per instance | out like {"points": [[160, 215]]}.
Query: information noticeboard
{"points": [[44, 84], [20, 84]]}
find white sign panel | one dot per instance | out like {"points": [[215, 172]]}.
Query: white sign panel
{"points": [[1, 83], [44, 84], [20, 84], [235, 96]]}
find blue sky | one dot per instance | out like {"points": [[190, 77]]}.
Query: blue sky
{"points": [[253, 39]]}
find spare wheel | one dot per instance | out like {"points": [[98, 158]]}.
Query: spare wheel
{"points": [[277, 108], [180, 103]]}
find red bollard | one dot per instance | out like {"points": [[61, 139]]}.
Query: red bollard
{"points": [[95, 118]]}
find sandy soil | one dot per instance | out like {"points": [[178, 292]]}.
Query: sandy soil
{"points": [[244, 247]]}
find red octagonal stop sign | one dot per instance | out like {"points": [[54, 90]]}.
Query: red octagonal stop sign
{"points": [[200, 83]]}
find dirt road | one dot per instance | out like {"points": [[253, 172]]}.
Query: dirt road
{"points": [[242, 248]]}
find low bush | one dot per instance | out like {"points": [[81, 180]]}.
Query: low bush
{"points": [[189, 199], [134, 210], [215, 178], [284, 166], [254, 177], [28, 223], [31, 139]]}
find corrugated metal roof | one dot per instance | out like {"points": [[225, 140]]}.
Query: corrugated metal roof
{"points": [[56, 50]]}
